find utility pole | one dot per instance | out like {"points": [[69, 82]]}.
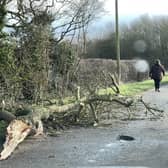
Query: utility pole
{"points": [[117, 42]]}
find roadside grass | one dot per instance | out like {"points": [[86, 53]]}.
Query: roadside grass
{"points": [[134, 88]]}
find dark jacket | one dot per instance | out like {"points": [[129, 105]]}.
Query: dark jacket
{"points": [[157, 71]]}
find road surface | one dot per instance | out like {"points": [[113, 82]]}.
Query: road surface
{"points": [[99, 147]]}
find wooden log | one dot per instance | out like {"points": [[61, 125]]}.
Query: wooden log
{"points": [[17, 131], [20, 127], [7, 116]]}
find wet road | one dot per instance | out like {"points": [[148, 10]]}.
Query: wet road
{"points": [[99, 147]]}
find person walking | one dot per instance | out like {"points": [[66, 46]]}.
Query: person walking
{"points": [[156, 73]]}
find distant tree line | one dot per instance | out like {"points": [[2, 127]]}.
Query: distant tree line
{"points": [[144, 38]]}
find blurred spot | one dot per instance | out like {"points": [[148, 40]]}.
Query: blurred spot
{"points": [[141, 66], [140, 46], [102, 150], [111, 145], [91, 161]]}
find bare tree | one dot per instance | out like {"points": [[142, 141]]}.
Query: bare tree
{"points": [[69, 16]]}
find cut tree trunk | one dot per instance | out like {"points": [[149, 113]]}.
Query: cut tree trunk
{"points": [[19, 128], [17, 131]]}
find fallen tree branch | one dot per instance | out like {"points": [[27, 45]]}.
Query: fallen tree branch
{"points": [[20, 127], [115, 86], [149, 108], [111, 98]]}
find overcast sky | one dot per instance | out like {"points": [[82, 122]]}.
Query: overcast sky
{"points": [[138, 7], [128, 10]]}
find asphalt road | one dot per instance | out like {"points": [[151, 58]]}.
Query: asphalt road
{"points": [[99, 147]]}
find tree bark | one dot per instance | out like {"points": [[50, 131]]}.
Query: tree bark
{"points": [[7, 116]]}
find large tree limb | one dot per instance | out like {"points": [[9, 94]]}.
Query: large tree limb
{"points": [[20, 127]]}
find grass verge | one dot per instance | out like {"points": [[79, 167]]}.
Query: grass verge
{"points": [[134, 88]]}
